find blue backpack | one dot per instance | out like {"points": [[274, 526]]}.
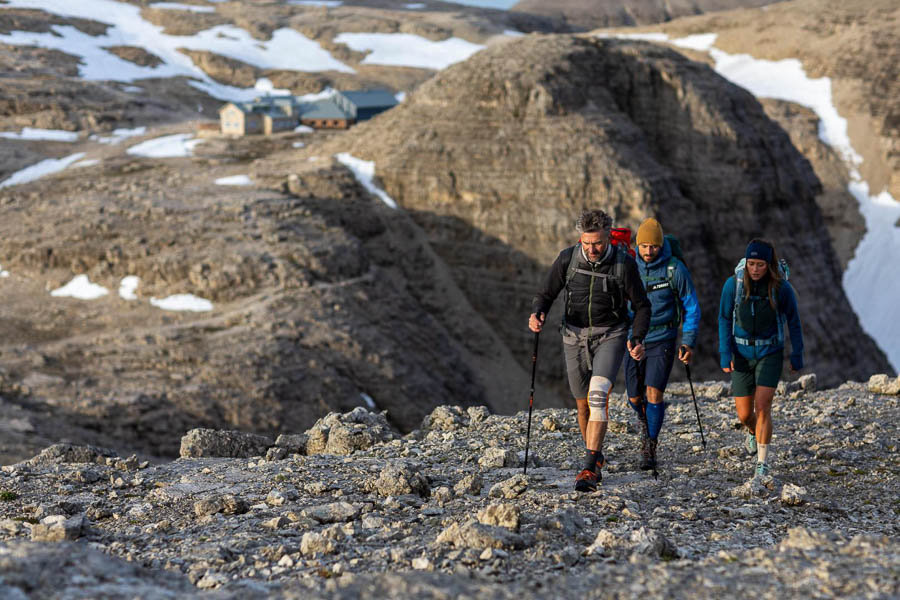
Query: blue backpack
{"points": [[778, 338]]}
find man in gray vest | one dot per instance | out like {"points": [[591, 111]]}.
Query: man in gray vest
{"points": [[600, 279]]}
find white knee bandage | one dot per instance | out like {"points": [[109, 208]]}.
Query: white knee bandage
{"points": [[598, 398]]}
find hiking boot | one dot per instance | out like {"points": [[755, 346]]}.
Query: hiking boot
{"points": [[586, 481], [651, 455], [762, 469], [645, 446], [750, 444], [646, 456]]}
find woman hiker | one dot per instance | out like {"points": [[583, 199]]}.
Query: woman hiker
{"points": [[756, 303]]}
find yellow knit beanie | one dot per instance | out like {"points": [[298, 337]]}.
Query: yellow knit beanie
{"points": [[650, 232]]}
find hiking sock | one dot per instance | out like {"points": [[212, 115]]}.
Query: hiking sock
{"points": [[637, 408], [763, 452], [590, 459], [655, 415]]}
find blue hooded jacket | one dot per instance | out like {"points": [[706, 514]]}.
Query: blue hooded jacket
{"points": [[787, 309], [662, 299]]}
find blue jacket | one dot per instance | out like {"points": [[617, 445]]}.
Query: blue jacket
{"points": [[787, 309], [662, 299]]}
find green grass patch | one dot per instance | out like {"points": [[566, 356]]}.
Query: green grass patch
{"points": [[8, 496]]}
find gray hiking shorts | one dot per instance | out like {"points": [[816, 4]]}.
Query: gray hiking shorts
{"points": [[595, 353]]}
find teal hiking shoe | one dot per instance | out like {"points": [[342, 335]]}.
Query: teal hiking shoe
{"points": [[750, 444], [762, 469]]}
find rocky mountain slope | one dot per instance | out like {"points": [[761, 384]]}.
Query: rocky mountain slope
{"points": [[321, 294], [353, 509], [495, 157], [324, 298], [591, 14]]}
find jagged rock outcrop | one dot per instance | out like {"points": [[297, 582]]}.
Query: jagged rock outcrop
{"points": [[364, 525], [496, 156]]}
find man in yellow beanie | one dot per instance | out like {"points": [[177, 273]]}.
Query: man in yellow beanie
{"points": [[673, 301]]}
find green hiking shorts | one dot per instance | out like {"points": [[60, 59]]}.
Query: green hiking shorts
{"points": [[748, 374]]}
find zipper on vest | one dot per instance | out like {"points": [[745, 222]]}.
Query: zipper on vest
{"points": [[591, 299]]}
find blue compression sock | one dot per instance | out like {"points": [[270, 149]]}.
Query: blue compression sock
{"points": [[655, 414], [637, 408]]}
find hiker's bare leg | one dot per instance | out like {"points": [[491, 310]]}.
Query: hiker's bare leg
{"points": [[762, 400]]}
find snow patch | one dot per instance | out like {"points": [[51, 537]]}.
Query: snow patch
{"points": [[368, 400], [182, 302], [408, 50], [168, 146], [32, 133], [38, 170], [364, 171], [86, 163], [265, 85], [179, 6], [80, 287], [400, 96], [235, 180], [414, 6], [513, 33], [298, 144], [127, 287], [118, 135], [303, 129], [3, 272]]}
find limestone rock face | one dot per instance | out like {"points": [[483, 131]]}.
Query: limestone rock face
{"points": [[496, 156]]}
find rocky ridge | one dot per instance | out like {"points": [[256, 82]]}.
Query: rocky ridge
{"points": [[446, 509], [588, 14]]}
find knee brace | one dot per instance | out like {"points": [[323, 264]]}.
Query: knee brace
{"points": [[598, 398]]}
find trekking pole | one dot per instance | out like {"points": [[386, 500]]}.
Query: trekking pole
{"points": [[687, 369], [642, 389], [537, 335]]}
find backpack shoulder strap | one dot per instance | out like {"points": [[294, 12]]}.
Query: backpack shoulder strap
{"points": [[670, 277], [738, 291], [573, 264]]}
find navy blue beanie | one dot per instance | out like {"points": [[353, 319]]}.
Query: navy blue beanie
{"points": [[760, 251]]}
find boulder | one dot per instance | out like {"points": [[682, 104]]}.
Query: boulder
{"points": [[207, 443]]}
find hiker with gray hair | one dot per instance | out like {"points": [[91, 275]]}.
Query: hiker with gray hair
{"points": [[599, 278]]}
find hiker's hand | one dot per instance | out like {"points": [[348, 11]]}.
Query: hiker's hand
{"points": [[536, 322], [636, 350], [729, 369], [685, 353]]}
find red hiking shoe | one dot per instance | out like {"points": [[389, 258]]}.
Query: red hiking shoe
{"points": [[586, 481]]}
